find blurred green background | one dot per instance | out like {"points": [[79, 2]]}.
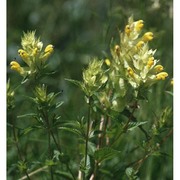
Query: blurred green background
{"points": [[80, 30]]}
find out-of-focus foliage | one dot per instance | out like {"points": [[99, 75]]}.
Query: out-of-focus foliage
{"points": [[80, 30]]}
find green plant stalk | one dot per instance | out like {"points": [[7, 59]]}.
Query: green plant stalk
{"points": [[87, 133], [49, 139], [18, 148], [50, 132]]}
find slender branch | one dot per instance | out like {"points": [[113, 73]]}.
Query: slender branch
{"points": [[34, 172]]}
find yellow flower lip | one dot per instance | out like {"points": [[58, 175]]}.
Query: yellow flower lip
{"points": [[161, 76], [148, 36]]}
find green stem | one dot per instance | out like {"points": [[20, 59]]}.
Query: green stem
{"points": [[17, 146], [87, 133], [49, 141], [51, 133]]}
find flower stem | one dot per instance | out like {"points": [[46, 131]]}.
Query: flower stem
{"points": [[87, 133], [18, 148]]}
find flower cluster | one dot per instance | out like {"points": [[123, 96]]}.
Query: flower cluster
{"points": [[33, 54], [94, 77], [132, 69]]}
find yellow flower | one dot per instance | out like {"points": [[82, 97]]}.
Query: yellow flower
{"points": [[23, 54], [117, 49], [150, 62], [49, 48], [139, 44], [16, 66], [158, 68], [161, 75], [139, 25], [130, 71], [108, 62], [48, 51], [127, 29], [148, 36], [172, 82]]}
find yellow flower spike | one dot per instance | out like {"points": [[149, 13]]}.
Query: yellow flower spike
{"points": [[16, 66], [49, 48], [148, 36], [130, 71], [127, 30], [140, 44], [159, 68], [108, 62], [117, 49], [150, 62], [139, 25], [161, 76]]}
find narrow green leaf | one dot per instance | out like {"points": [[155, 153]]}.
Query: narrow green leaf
{"points": [[27, 115], [105, 153], [78, 83], [133, 125], [63, 174], [75, 131]]}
